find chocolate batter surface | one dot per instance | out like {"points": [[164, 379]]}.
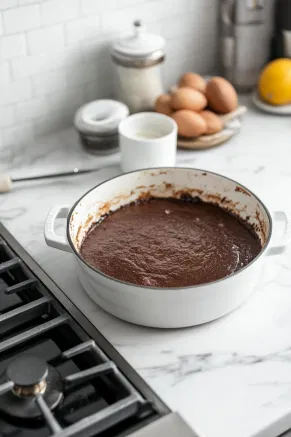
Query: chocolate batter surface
{"points": [[169, 243]]}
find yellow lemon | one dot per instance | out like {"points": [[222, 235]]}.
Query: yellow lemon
{"points": [[274, 84]]}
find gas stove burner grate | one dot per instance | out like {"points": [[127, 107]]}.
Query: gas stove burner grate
{"points": [[25, 379], [51, 371], [41, 404]]}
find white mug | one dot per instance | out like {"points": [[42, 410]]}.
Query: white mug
{"points": [[147, 140]]}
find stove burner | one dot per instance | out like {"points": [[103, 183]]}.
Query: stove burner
{"points": [[30, 376]]}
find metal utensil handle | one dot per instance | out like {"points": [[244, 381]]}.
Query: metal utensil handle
{"points": [[75, 171]]}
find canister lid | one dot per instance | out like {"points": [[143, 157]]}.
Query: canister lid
{"points": [[139, 46], [100, 117]]}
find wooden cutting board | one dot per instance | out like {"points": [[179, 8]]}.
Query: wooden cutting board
{"points": [[208, 141]]}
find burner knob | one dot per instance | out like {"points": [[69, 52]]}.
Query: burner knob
{"points": [[27, 371]]}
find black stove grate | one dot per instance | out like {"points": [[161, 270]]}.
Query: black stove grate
{"points": [[96, 398]]}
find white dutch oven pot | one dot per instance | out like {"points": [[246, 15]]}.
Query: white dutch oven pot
{"points": [[166, 307]]}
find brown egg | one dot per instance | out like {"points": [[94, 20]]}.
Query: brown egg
{"points": [[221, 95], [187, 98], [213, 121], [190, 124], [194, 81], [163, 104]]}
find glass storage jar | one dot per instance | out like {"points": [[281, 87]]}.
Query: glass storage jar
{"points": [[137, 59]]}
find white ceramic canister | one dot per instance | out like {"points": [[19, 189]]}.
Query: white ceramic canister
{"points": [[138, 58]]}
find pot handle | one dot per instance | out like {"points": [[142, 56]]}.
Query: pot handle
{"points": [[51, 238], [284, 240]]}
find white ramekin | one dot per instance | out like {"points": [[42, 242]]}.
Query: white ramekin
{"points": [[147, 139]]}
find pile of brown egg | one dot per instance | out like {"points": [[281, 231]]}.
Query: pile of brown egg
{"points": [[196, 104]]}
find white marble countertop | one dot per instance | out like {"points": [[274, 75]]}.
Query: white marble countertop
{"points": [[231, 377]]}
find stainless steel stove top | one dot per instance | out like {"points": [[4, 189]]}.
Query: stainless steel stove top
{"points": [[58, 375]]}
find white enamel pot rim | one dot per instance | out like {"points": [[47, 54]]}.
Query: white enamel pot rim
{"points": [[158, 306], [162, 288]]}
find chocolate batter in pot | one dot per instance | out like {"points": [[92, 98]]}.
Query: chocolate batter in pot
{"points": [[169, 243]]}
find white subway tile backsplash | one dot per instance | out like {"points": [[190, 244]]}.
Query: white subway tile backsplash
{"points": [[83, 73], [94, 49], [5, 73], [22, 18], [173, 70], [82, 29], [124, 3], [7, 116], [31, 109], [61, 109], [8, 136], [182, 46], [45, 40], [12, 46], [122, 19], [93, 7], [55, 11], [21, 133], [15, 92], [69, 99], [172, 29], [29, 65], [49, 82], [93, 91], [108, 5], [55, 54], [53, 121], [6, 4], [71, 55], [89, 7]]}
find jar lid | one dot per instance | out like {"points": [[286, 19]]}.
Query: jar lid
{"points": [[100, 117], [139, 45]]}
